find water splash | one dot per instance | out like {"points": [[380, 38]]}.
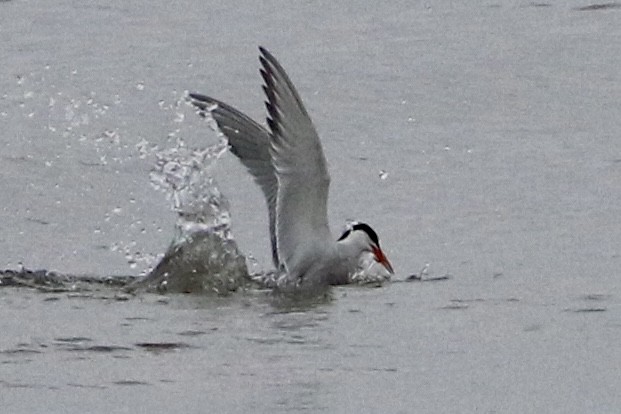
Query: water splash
{"points": [[369, 271], [203, 256]]}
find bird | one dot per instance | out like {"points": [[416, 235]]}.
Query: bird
{"points": [[287, 161]]}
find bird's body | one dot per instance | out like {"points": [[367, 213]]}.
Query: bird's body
{"points": [[288, 163]]}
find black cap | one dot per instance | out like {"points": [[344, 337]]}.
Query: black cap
{"points": [[363, 227]]}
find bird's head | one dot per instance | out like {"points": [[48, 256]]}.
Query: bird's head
{"points": [[361, 238]]}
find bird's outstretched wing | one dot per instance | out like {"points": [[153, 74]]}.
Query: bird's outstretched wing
{"points": [[250, 142], [300, 166]]}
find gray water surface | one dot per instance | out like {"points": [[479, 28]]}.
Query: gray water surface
{"points": [[479, 138]]}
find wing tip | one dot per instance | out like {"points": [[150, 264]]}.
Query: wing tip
{"points": [[203, 102], [265, 53], [269, 66]]}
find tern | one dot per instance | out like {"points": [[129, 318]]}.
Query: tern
{"points": [[287, 161]]}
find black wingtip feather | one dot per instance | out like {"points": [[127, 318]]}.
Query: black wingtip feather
{"points": [[268, 79], [272, 110], [271, 95], [202, 102], [197, 101], [198, 96], [265, 54], [273, 125], [263, 71], [267, 74]]}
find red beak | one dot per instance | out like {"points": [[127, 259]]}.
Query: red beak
{"points": [[380, 257]]}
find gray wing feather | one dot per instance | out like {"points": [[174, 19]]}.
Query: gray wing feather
{"points": [[301, 169], [249, 141]]}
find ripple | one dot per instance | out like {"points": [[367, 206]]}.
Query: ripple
{"points": [[600, 6], [19, 351], [586, 310], [105, 349], [455, 306], [596, 297], [130, 382], [191, 332], [73, 339], [162, 346]]}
